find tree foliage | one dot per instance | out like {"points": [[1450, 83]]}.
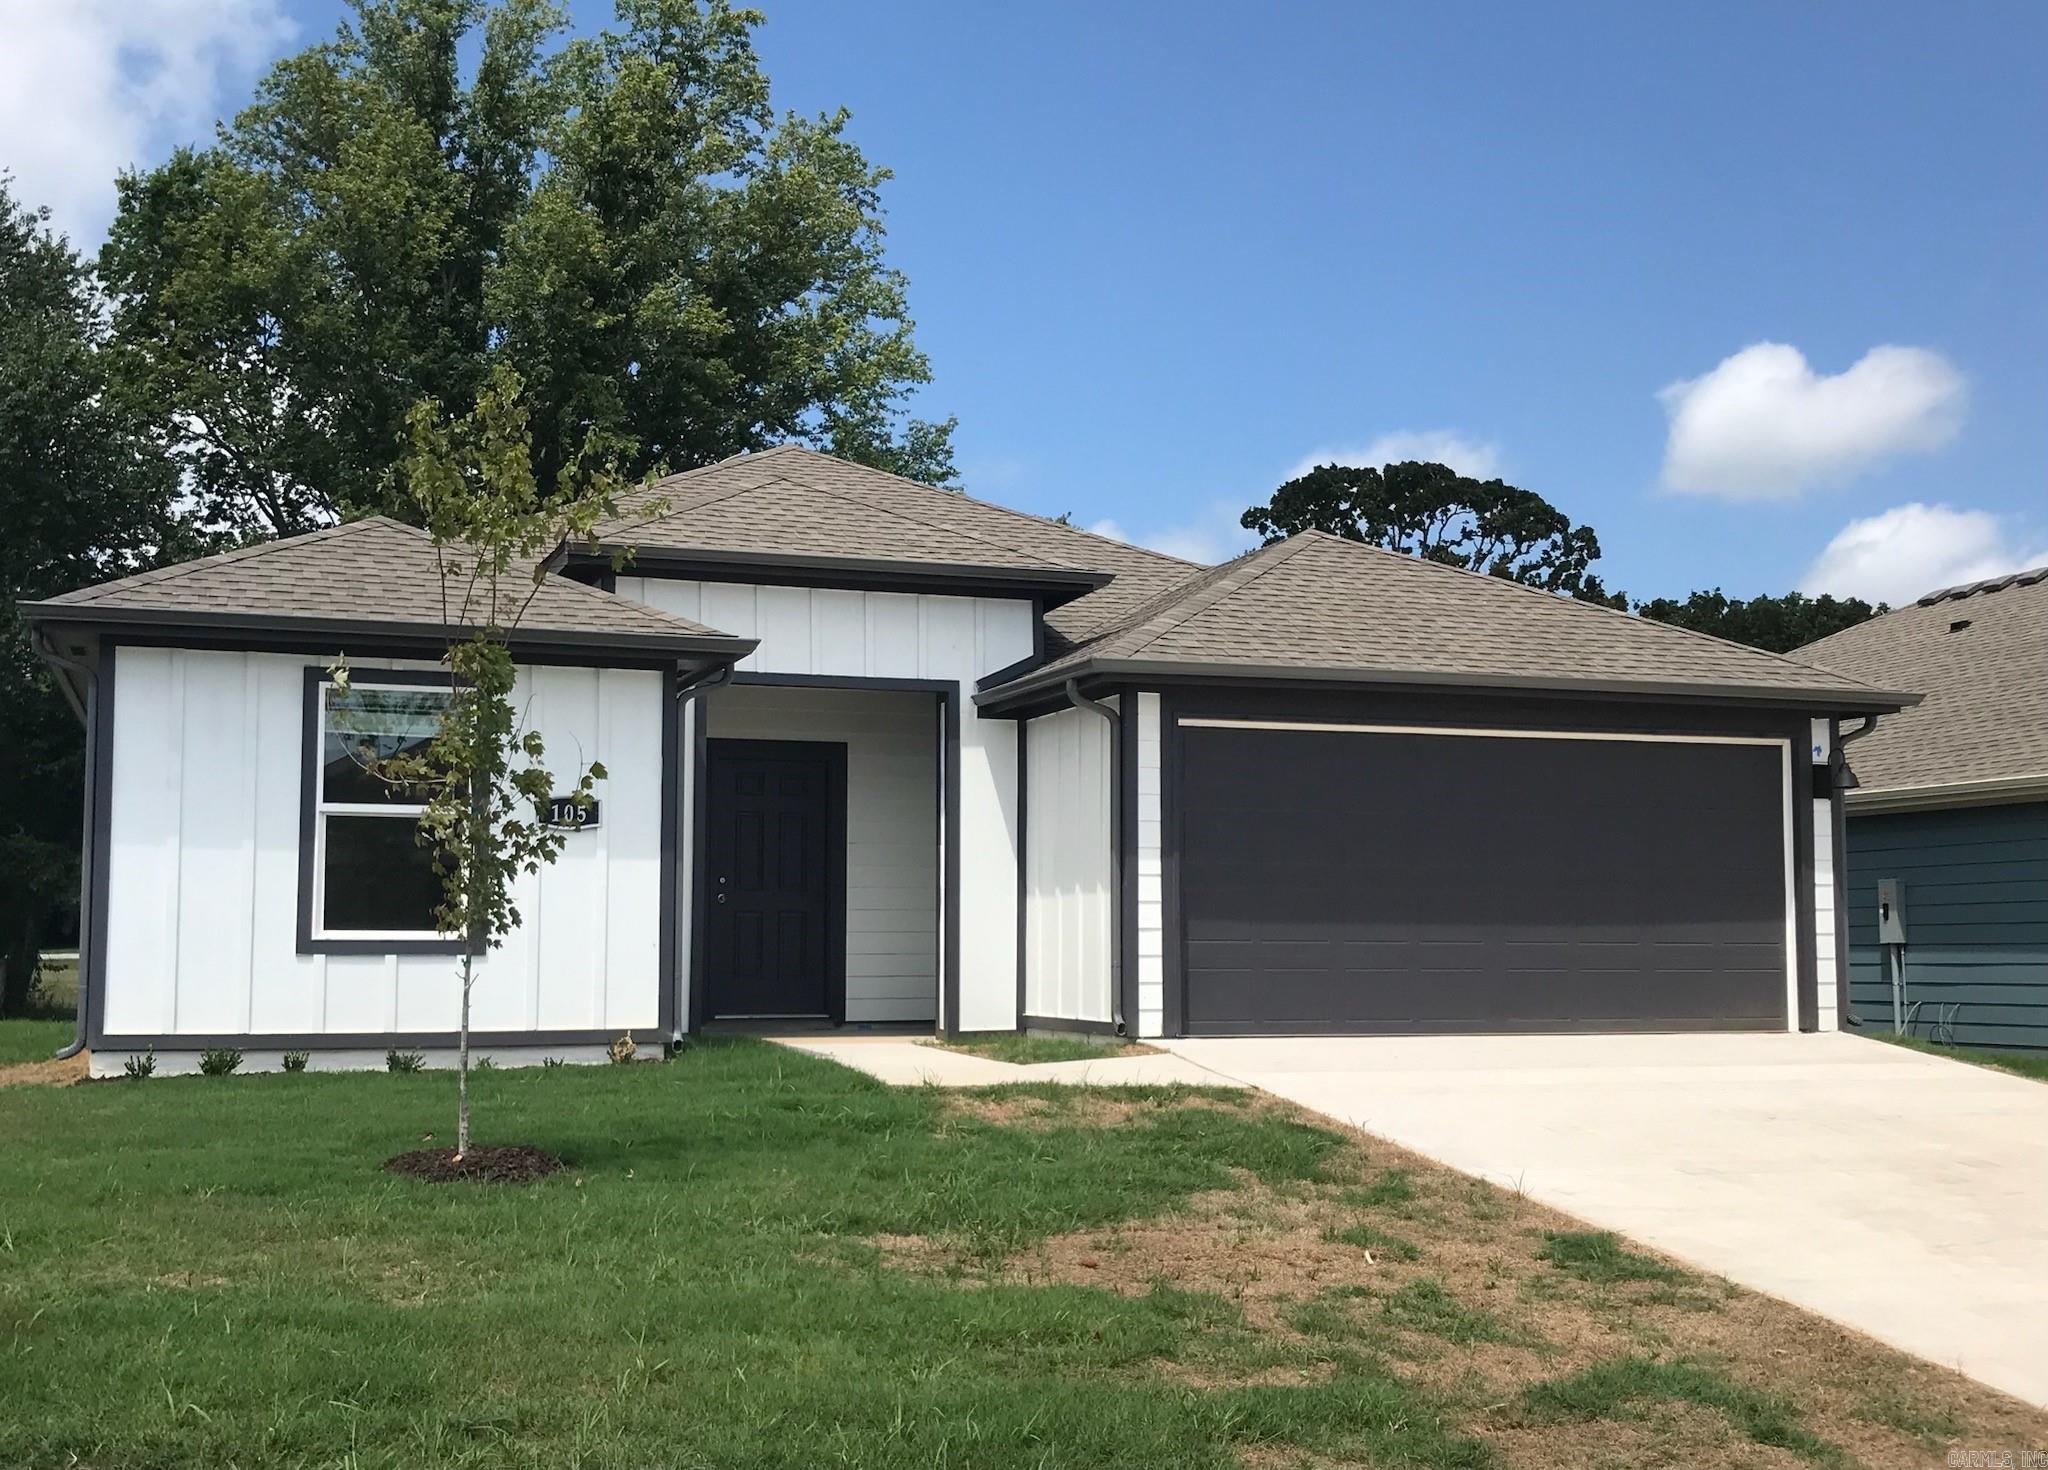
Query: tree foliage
{"points": [[1432, 511], [82, 497], [484, 780], [452, 185], [1779, 624]]}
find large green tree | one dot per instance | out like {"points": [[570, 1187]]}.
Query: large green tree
{"points": [[1779, 624], [83, 496], [1432, 511], [448, 186]]}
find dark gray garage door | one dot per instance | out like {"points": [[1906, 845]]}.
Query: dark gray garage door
{"points": [[1337, 881]]}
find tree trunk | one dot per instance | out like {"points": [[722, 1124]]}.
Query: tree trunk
{"points": [[462, 1061], [21, 934]]}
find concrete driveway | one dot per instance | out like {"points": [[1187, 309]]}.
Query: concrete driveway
{"points": [[1903, 1195]]}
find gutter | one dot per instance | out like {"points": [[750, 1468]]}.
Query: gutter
{"points": [[1114, 719], [89, 676]]}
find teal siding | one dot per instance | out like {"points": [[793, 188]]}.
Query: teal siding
{"points": [[1976, 919]]}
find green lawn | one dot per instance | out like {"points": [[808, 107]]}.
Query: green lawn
{"points": [[2023, 1063], [759, 1259], [215, 1271], [33, 1041], [1024, 1048]]}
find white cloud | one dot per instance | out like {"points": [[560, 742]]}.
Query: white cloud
{"points": [[1763, 425], [90, 87], [1434, 446], [1212, 535], [1910, 550]]}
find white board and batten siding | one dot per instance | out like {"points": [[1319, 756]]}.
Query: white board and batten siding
{"points": [[892, 829], [839, 633], [1069, 867], [1151, 916], [203, 865]]}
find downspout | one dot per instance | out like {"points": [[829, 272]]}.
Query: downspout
{"points": [[686, 695], [1116, 848], [90, 674], [1839, 765]]}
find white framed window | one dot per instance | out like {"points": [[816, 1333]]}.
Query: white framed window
{"points": [[366, 884]]}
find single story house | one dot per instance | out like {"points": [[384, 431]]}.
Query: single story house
{"points": [[880, 752], [1952, 811]]}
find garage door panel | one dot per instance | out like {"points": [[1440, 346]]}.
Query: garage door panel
{"points": [[1396, 881]]}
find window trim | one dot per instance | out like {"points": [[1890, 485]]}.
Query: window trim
{"points": [[311, 824]]}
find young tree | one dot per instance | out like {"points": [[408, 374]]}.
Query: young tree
{"points": [[446, 185], [83, 496], [1432, 511], [484, 780]]}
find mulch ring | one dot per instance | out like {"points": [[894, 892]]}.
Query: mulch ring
{"points": [[504, 1163]]}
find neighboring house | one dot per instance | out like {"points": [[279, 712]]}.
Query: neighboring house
{"points": [[1953, 804], [883, 753]]}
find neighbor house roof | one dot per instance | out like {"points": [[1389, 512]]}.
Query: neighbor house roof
{"points": [[1320, 607], [1980, 654], [374, 576], [794, 505]]}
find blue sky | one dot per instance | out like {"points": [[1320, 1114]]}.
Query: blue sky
{"points": [[1160, 254]]}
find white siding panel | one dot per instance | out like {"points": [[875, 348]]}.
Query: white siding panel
{"points": [[1151, 931], [1069, 897], [204, 832], [783, 625], [892, 635], [731, 607], [839, 632]]}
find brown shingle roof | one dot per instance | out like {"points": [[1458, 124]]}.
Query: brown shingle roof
{"points": [[1320, 604], [798, 502], [1985, 717], [376, 573]]}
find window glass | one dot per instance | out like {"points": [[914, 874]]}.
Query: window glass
{"points": [[379, 879], [365, 726]]}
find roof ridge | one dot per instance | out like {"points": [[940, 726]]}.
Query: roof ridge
{"points": [[1192, 602], [793, 445], [854, 498], [156, 576], [1595, 607]]}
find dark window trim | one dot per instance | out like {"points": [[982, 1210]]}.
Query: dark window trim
{"points": [[317, 679], [881, 684]]}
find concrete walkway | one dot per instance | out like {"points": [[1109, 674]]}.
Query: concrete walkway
{"points": [[1901, 1194], [908, 1063]]}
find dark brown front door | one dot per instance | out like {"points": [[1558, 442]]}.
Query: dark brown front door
{"points": [[774, 890]]}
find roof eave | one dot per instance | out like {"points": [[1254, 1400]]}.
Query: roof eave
{"points": [[1935, 796], [1817, 700], [696, 647], [1053, 585]]}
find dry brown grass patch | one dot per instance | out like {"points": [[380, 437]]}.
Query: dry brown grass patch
{"points": [[47, 1073], [1271, 1252]]}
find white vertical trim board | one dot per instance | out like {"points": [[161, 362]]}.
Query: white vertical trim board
{"points": [[1151, 947], [1791, 902]]}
